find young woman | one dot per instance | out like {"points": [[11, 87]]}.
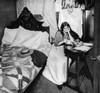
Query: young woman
{"points": [[67, 35], [56, 67]]}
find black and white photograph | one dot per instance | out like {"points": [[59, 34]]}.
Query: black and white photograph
{"points": [[49, 46]]}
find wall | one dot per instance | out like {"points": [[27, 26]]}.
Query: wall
{"points": [[7, 13]]}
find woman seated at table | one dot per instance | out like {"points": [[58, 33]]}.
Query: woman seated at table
{"points": [[56, 66], [67, 36]]}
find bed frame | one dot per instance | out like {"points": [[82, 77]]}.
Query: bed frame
{"points": [[29, 21]]}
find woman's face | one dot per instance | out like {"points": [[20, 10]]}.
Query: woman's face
{"points": [[66, 29]]}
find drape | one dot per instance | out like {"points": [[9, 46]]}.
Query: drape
{"points": [[44, 7], [50, 16]]}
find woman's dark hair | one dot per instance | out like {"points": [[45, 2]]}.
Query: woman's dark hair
{"points": [[62, 27]]}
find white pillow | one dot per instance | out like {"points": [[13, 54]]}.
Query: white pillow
{"points": [[22, 36], [9, 35]]}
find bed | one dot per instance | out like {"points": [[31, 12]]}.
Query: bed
{"points": [[23, 53]]}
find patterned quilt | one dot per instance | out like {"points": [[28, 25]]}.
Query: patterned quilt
{"points": [[16, 72]]}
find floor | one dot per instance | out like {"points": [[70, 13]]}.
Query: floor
{"points": [[43, 85]]}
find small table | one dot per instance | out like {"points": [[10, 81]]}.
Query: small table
{"points": [[76, 56]]}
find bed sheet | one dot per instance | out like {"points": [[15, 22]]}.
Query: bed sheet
{"points": [[16, 73], [25, 38]]}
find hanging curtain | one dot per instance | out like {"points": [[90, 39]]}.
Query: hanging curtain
{"points": [[50, 16]]}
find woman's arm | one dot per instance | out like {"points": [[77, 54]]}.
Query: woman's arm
{"points": [[58, 38], [77, 40]]}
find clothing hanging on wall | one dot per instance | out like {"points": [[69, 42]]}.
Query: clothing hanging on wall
{"points": [[74, 18], [71, 15]]}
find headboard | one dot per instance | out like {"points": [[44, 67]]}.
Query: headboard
{"points": [[28, 21]]}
